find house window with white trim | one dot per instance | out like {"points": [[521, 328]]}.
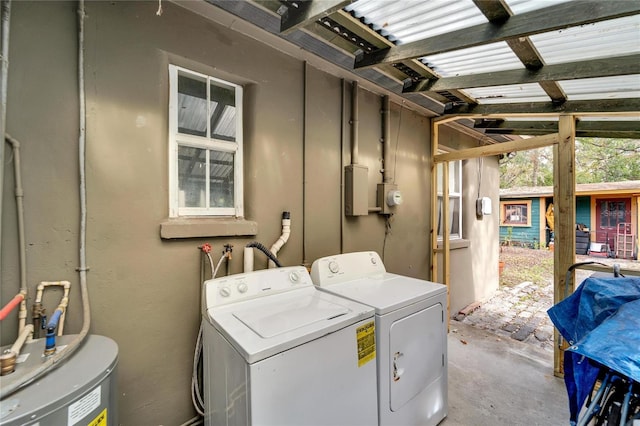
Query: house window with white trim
{"points": [[205, 145], [455, 199]]}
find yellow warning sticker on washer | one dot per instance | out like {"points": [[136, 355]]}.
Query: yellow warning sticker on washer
{"points": [[101, 420], [366, 336]]}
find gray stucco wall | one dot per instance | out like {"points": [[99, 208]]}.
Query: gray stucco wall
{"points": [[145, 291]]}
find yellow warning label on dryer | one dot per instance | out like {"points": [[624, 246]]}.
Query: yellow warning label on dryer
{"points": [[101, 420], [366, 336]]}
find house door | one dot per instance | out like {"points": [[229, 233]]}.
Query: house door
{"points": [[609, 213]]}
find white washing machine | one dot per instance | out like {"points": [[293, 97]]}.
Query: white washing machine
{"points": [[277, 351], [411, 334]]}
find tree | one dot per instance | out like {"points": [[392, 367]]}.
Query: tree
{"points": [[597, 160], [607, 160]]}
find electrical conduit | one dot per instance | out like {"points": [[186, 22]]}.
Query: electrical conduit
{"points": [[284, 237], [75, 343], [4, 79], [22, 315]]}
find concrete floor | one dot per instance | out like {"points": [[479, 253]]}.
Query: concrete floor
{"points": [[500, 381]]}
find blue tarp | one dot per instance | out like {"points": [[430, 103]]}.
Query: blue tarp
{"points": [[601, 322]]}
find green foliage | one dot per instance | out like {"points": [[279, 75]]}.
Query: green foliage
{"points": [[607, 160], [597, 160]]}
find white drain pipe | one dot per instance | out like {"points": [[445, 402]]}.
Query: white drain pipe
{"points": [[284, 237]]}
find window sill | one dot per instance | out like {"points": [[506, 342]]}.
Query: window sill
{"points": [[455, 244], [201, 227]]}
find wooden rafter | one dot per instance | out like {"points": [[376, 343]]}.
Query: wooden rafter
{"points": [[499, 148], [301, 13], [538, 21], [595, 129], [624, 65], [601, 106]]}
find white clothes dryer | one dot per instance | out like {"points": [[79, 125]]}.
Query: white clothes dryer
{"points": [[277, 351], [411, 334]]}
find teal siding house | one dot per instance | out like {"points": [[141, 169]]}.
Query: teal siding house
{"points": [[606, 217]]}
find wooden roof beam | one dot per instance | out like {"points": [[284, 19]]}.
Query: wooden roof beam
{"points": [[297, 14], [607, 67], [624, 106], [538, 21], [592, 129], [498, 148]]}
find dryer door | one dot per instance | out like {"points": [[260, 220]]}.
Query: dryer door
{"points": [[416, 354]]}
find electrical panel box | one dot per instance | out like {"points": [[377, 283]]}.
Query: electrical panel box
{"points": [[483, 206], [356, 183]]}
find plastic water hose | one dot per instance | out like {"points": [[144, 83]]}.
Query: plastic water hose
{"points": [[266, 251]]}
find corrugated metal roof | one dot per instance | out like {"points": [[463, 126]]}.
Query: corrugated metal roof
{"points": [[604, 39], [481, 59], [626, 86], [508, 94], [523, 6], [409, 20]]}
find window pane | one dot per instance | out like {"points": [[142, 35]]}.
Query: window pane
{"points": [[454, 172], [192, 106], [439, 177], [612, 213], [191, 176], [516, 214], [223, 112], [454, 217], [221, 178]]}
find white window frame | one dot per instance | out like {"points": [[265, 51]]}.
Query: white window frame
{"points": [[208, 143], [455, 194]]}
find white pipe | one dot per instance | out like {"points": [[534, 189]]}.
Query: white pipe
{"points": [[24, 334], [66, 286], [60, 356], [248, 259], [284, 237], [22, 315], [10, 356]]}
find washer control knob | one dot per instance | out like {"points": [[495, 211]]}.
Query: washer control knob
{"points": [[242, 287], [373, 260], [294, 277], [225, 292], [334, 267]]}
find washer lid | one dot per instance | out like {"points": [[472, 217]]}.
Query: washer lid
{"points": [[274, 318], [386, 292], [264, 326]]}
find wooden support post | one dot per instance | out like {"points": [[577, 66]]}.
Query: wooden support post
{"points": [[444, 218], [564, 213], [446, 272], [434, 203]]}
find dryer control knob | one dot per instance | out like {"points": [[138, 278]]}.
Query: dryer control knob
{"points": [[225, 292], [242, 287], [294, 277], [334, 267]]}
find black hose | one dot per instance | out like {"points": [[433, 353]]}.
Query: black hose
{"points": [[266, 251]]}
